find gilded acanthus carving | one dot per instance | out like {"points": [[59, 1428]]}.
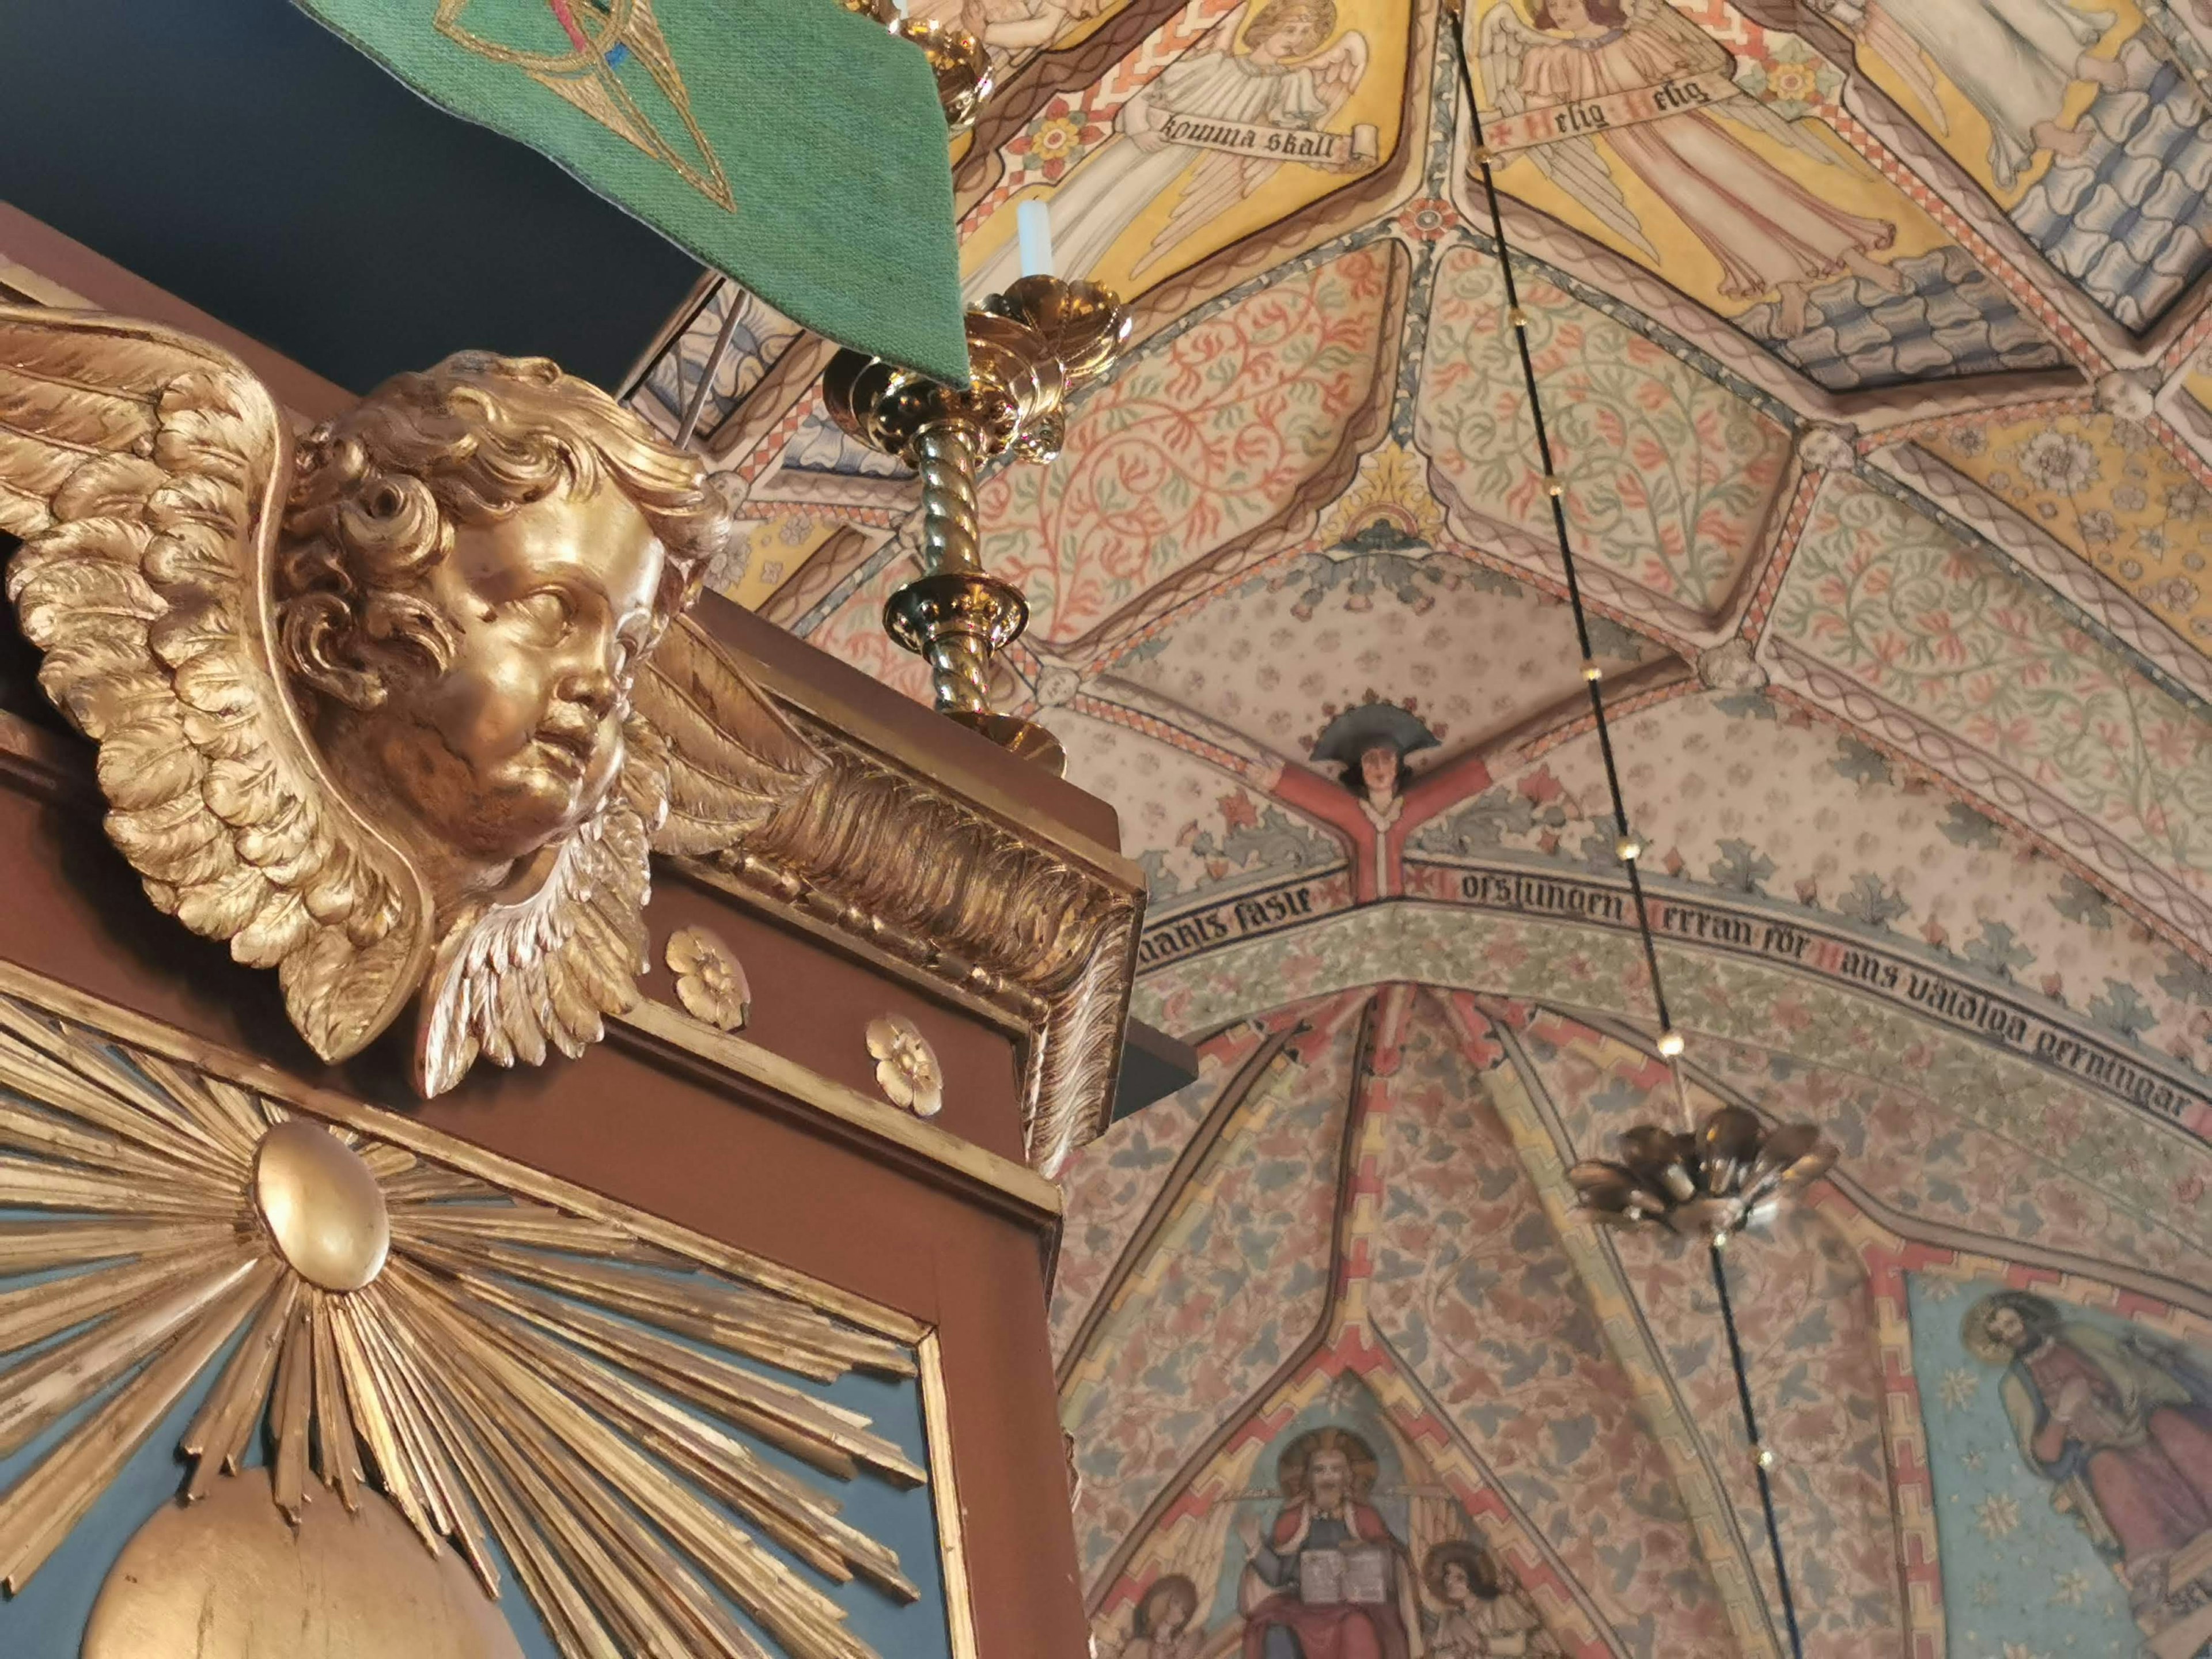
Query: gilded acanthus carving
{"points": [[364, 706], [894, 859]]}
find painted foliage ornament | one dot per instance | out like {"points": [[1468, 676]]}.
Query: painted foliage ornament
{"points": [[1733, 1172], [368, 708]]}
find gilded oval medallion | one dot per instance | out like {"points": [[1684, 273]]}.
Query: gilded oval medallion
{"points": [[322, 1206]]}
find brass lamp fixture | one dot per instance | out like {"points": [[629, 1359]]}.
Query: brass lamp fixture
{"points": [[1030, 350], [1733, 1172]]}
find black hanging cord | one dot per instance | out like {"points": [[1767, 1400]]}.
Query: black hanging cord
{"points": [[1670, 1044], [1758, 1453], [1554, 488]]}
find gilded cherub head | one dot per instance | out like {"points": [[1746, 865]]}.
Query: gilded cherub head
{"points": [[364, 707], [475, 561]]}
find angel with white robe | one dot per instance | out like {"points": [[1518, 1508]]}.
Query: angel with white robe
{"points": [[1279, 77], [2014, 60], [1770, 235], [1011, 28]]}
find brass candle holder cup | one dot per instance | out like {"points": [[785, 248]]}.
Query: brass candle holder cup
{"points": [[1030, 350], [961, 65]]}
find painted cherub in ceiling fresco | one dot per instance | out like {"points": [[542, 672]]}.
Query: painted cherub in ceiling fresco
{"points": [[2122, 1424], [1277, 74], [1165, 1623], [1481, 1615], [1771, 235], [2014, 60]]}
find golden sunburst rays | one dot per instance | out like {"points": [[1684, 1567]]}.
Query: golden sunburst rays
{"points": [[506, 1373]]}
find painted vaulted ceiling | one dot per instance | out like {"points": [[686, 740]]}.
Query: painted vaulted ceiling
{"points": [[1880, 379]]}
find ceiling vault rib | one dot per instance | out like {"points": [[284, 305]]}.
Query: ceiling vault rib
{"points": [[1626, 1032], [1909, 474], [1406, 1376], [1315, 1340], [2197, 1298], [1226, 1105], [2172, 931], [1541, 1141]]}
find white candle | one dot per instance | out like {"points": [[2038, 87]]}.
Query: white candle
{"points": [[1033, 220]]}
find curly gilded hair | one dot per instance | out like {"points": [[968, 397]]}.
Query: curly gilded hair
{"points": [[1317, 18], [380, 489]]}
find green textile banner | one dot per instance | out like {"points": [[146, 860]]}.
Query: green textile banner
{"points": [[792, 144]]}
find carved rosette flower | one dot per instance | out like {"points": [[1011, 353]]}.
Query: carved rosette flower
{"points": [[1733, 1172], [906, 1066], [710, 980]]}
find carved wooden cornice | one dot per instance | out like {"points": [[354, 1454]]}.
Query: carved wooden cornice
{"points": [[936, 873]]}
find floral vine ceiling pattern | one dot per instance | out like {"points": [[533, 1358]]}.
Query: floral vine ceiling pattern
{"points": [[1892, 496]]}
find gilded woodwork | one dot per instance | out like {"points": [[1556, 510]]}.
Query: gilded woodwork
{"points": [[363, 704], [982, 1172], [400, 714], [437, 1342], [975, 903], [229, 1577], [907, 1068], [710, 980]]}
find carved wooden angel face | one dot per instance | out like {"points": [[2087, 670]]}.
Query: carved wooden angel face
{"points": [[517, 742]]}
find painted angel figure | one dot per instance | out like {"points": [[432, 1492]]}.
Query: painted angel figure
{"points": [[1011, 27], [2014, 60], [1480, 1615], [1770, 234], [1279, 77], [365, 705]]}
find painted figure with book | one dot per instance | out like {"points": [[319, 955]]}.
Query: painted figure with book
{"points": [[1327, 1579]]}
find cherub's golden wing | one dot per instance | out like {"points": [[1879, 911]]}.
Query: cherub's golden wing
{"points": [[732, 758], [146, 472], [710, 760]]}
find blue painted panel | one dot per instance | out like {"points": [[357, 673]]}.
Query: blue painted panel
{"points": [[2019, 1575]]}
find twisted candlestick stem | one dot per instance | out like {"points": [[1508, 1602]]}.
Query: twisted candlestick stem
{"points": [[959, 658], [944, 455]]}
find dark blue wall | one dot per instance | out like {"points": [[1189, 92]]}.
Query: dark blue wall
{"points": [[239, 156]]}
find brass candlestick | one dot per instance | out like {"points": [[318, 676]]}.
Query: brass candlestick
{"points": [[1030, 350]]}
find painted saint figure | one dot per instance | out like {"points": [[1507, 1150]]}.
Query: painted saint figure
{"points": [[1379, 802], [1770, 235], [1278, 75], [2124, 1424], [2014, 60], [1483, 1617], [1327, 1580]]}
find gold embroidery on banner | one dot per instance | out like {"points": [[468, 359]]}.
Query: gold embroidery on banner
{"points": [[584, 77]]}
